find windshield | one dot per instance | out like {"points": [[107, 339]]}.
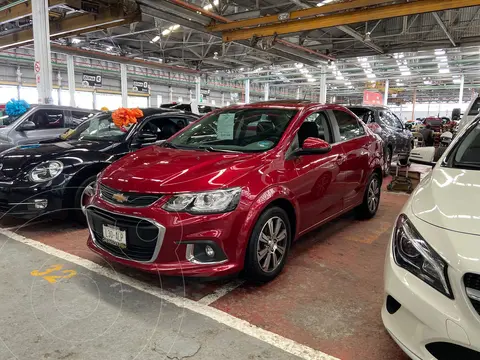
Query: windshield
{"points": [[466, 153], [245, 130], [98, 128]]}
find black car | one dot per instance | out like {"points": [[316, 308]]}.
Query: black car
{"points": [[398, 140], [59, 177]]}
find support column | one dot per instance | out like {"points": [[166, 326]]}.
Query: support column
{"points": [[71, 79], [223, 99], [460, 97], [266, 91], [298, 93], [19, 81], [170, 94], [41, 42], [124, 84], [198, 84], [94, 98], [414, 101], [59, 90], [385, 97], [323, 85], [247, 91]]}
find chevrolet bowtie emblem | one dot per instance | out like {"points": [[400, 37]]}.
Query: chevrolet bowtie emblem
{"points": [[119, 197]]}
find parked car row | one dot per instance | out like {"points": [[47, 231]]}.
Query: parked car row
{"points": [[226, 193]]}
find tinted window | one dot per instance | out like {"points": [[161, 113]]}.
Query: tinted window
{"points": [[475, 107], [395, 120], [349, 126], [162, 127], [320, 119], [48, 119], [365, 114], [467, 152]]}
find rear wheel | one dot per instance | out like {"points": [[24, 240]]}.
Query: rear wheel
{"points": [[388, 161], [371, 199], [268, 245], [83, 195]]}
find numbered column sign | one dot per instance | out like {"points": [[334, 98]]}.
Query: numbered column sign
{"points": [[140, 86]]}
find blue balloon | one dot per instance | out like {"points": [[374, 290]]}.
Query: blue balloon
{"points": [[16, 107]]}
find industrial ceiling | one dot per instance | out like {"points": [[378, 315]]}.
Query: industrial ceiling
{"points": [[288, 43]]}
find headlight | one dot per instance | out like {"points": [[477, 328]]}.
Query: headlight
{"points": [[413, 253], [46, 171], [208, 202]]}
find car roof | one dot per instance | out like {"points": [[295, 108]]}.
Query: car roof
{"points": [[50, 106], [370, 107], [290, 104]]}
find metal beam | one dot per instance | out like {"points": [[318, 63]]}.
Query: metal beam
{"points": [[444, 28], [24, 9], [314, 11], [383, 12], [69, 26], [348, 30]]}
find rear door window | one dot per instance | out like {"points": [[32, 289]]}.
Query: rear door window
{"points": [[348, 126]]}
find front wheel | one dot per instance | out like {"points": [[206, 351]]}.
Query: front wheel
{"points": [[371, 199], [268, 245]]}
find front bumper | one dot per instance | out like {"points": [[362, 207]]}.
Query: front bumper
{"points": [[30, 201], [176, 233], [426, 320]]}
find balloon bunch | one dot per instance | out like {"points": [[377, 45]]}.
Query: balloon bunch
{"points": [[124, 118], [16, 107]]}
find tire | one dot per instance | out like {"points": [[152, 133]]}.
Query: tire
{"points": [[78, 211], [257, 269], [388, 161], [367, 209]]}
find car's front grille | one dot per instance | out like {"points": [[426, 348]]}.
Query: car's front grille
{"points": [[127, 198], [472, 287], [143, 237]]}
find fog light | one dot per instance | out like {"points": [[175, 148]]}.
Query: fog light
{"points": [[209, 251], [40, 203]]}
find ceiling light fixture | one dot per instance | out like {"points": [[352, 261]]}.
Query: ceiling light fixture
{"points": [[166, 32], [156, 38], [76, 41]]}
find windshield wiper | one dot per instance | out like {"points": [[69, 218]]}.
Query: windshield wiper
{"points": [[213, 149], [169, 145]]}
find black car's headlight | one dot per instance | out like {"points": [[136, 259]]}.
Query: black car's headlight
{"points": [[413, 253], [208, 202], [46, 171]]}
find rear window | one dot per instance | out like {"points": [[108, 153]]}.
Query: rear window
{"points": [[475, 109]]}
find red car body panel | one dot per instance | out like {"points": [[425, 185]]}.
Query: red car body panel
{"points": [[316, 188]]}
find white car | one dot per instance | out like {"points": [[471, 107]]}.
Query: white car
{"points": [[432, 267]]}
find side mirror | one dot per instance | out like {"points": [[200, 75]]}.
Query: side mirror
{"points": [[313, 146], [27, 125], [423, 155], [144, 138]]}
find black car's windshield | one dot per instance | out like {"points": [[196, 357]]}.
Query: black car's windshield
{"points": [[98, 128], [246, 130], [466, 154], [365, 114]]}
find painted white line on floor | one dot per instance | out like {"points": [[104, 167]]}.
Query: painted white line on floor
{"points": [[243, 326], [220, 292]]}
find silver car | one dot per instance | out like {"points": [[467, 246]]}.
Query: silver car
{"points": [[41, 122]]}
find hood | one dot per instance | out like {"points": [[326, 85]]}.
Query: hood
{"points": [[15, 159], [449, 198], [156, 169]]}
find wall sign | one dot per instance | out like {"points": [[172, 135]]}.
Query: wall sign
{"points": [[140, 86], [372, 98], [91, 80]]}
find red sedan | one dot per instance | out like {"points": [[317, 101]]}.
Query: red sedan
{"points": [[233, 190]]}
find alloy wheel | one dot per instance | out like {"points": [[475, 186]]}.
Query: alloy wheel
{"points": [[373, 195], [272, 244]]}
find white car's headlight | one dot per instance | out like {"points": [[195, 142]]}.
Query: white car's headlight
{"points": [[46, 171], [413, 253], [209, 202]]}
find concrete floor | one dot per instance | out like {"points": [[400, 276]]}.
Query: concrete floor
{"points": [[328, 298]]}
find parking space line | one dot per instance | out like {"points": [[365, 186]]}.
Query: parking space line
{"points": [[221, 292], [278, 341]]}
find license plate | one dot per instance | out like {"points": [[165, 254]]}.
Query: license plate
{"points": [[114, 236]]}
